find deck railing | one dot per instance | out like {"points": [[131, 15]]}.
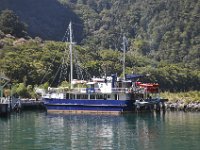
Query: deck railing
{"points": [[98, 90]]}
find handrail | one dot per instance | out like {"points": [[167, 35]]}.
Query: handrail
{"points": [[98, 90]]}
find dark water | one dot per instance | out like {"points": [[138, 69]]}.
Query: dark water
{"points": [[41, 131]]}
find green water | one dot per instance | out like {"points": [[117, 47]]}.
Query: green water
{"points": [[40, 131]]}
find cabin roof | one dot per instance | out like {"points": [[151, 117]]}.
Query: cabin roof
{"points": [[133, 76], [91, 83], [78, 81]]}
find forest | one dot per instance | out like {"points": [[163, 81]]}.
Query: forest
{"points": [[163, 43], [162, 30]]}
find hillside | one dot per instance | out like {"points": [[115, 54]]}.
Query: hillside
{"points": [[47, 19], [161, 30], [36, 62], [163, 40]]}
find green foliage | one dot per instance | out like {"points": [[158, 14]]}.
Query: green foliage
{"points": [[65, 84], [163, 43], [22, 91], [1, 34], [157, 29], [160, 30], [172, 77], [141, 46], [45, 85], [35, 62], [186, 97], [93, 68], [10, 24]]}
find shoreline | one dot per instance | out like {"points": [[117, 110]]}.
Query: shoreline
{"points": [[169, 106], [182, 106]]}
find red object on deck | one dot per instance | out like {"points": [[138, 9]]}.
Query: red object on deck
{"points": [[150, 87], [138, 83]]}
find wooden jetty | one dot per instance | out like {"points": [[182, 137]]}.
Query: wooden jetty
{"points": [[31, 104], [4, 109]]}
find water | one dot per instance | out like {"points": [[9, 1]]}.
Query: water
{"points": [[41, 131]]}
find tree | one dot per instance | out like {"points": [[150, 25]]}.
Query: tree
{"points": [[10, 24], [22, 91]]}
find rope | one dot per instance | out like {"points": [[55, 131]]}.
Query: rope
{"points": [[53, 60]]}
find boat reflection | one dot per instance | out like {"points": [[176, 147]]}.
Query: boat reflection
{"points": [[104, 131], [152, 131]]}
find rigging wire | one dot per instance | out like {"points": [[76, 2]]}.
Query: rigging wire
{"points": [[64, 65], [53, 60], [47, 70], [55, 75], [78, 68]]}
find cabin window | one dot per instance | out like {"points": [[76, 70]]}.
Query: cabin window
{"points": [[72, 96], [82, 96], [78, 96], [67, 95], [99, 96], [106, 96], [120, 85], [92, 96], [116, 97], [90, 86]]}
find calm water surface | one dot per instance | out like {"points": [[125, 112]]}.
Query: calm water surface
{"points": [[41, 131]]}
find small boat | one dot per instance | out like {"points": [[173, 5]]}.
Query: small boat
{"points": [[151, 97], [109, 94]]}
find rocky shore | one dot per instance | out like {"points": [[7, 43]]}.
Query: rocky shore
{"points": [[182, 106]]}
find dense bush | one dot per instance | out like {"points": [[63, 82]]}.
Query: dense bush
{"points": [[10, 24], [163, 43], [34, 62]]}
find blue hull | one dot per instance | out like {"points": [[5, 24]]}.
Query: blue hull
{"points": [[66, 105]]}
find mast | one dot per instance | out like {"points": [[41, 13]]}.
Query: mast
{"points": [[70, 48], [124, 53]]}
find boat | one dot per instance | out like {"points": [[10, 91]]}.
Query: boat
{"points": [[103, 95], [108, 94]]}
